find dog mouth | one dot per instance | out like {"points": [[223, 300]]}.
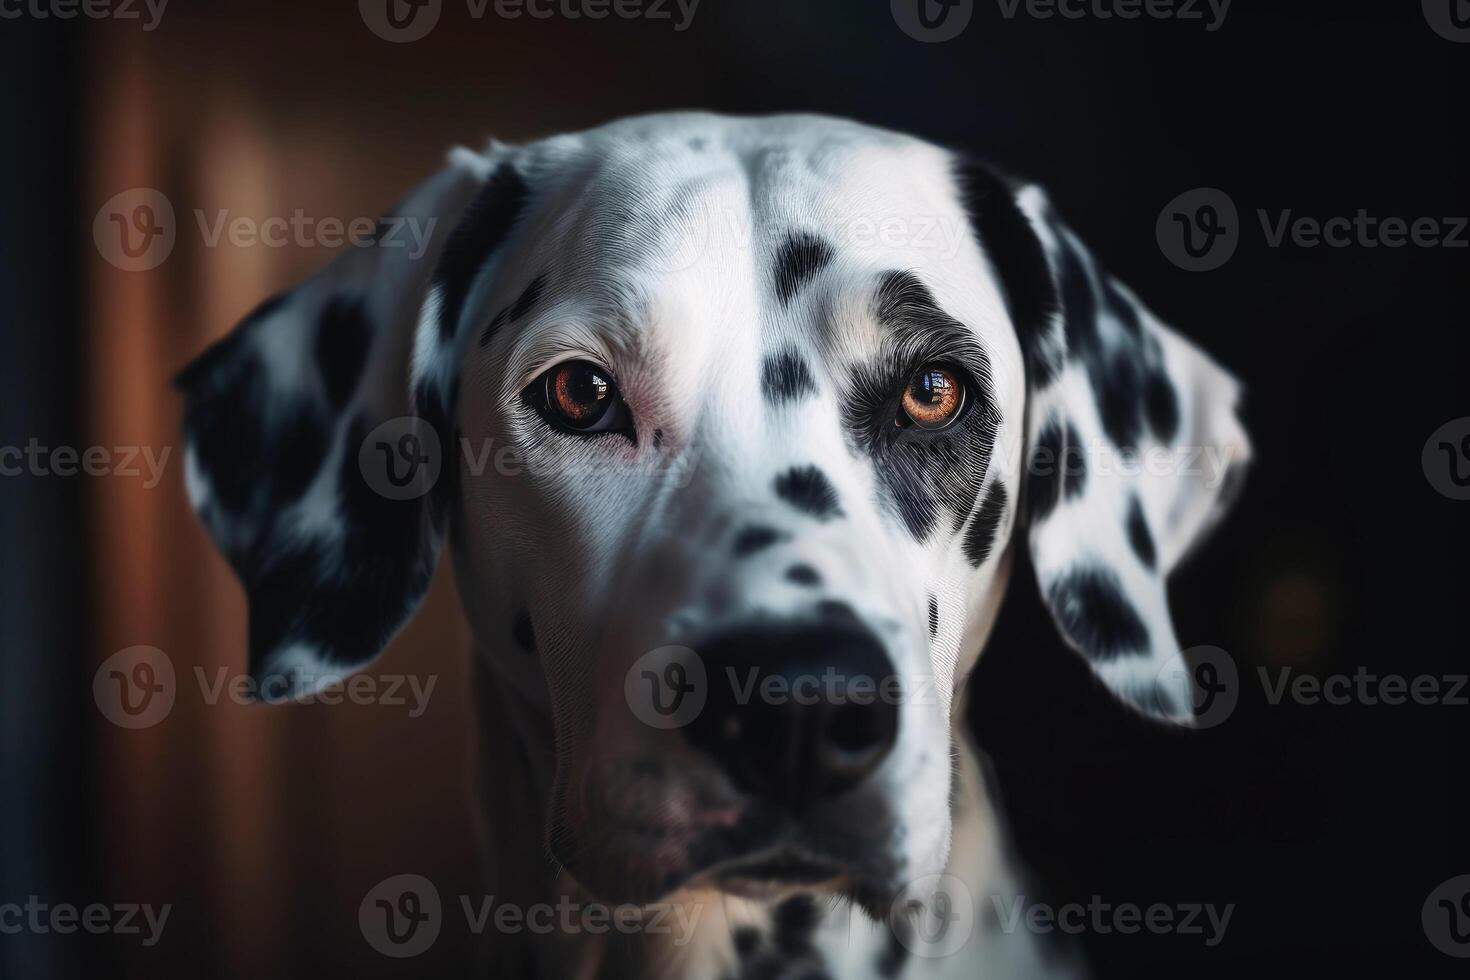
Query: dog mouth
{"points": [[780, 867]]}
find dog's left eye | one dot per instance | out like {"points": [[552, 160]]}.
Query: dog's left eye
{"points": [[579, 396], [933, 399]]}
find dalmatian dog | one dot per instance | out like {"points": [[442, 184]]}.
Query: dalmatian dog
{"points": [[738, 428]]}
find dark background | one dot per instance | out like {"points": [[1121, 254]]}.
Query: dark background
{"points": [[1327, 826]]}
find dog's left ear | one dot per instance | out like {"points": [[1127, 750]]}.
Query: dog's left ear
{"points": [[1133, 446], [319, 442]]}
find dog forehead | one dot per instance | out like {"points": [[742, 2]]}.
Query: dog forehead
{"points": [[682, 207]]}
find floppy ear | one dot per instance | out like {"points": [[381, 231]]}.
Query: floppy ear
{"points": [[1133, 446], [318, 442]]}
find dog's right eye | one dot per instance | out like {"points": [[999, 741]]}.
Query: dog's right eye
{"points": [[580, 397]]}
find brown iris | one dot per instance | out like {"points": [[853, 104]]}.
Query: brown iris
{"points": [[580, 393], [933, 398]]}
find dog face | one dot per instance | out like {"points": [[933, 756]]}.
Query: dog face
{"points": [[736, 420]]}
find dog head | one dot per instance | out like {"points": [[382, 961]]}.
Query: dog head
{"points": [[733, 424]]}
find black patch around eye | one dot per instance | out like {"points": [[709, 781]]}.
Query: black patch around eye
{"points": [[933, 616], [919, 472], [980, 538], [753, 539], [529, 298], [1138, 534], [1093, 612], [785, 378], [803, 575], [486, 223], [808, 490], [798, 260], [523, 632], [1016, 255], [342, 338]]}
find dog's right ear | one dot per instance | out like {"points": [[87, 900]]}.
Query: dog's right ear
{"points": [[316, 430]]}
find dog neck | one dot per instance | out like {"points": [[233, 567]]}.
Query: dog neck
{"points": [[703, 932]]}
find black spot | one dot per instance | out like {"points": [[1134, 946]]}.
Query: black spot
{"points": [[343, 601], [753, 539], [1074, 465], [529, 298], [803, 575], [1044, 481], [980, 538], [1016, 255], [747, 940], [1138, 535], [1058, 466], [837, 611], [799, 258], [487, 221], [793, 922], [523, 631], [785, 378], [1091, 609], [808, 490], [933, 616], [342, 338], [1162, 406]]}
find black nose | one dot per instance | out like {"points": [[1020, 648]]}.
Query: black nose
{"points": [[797, 714]]}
